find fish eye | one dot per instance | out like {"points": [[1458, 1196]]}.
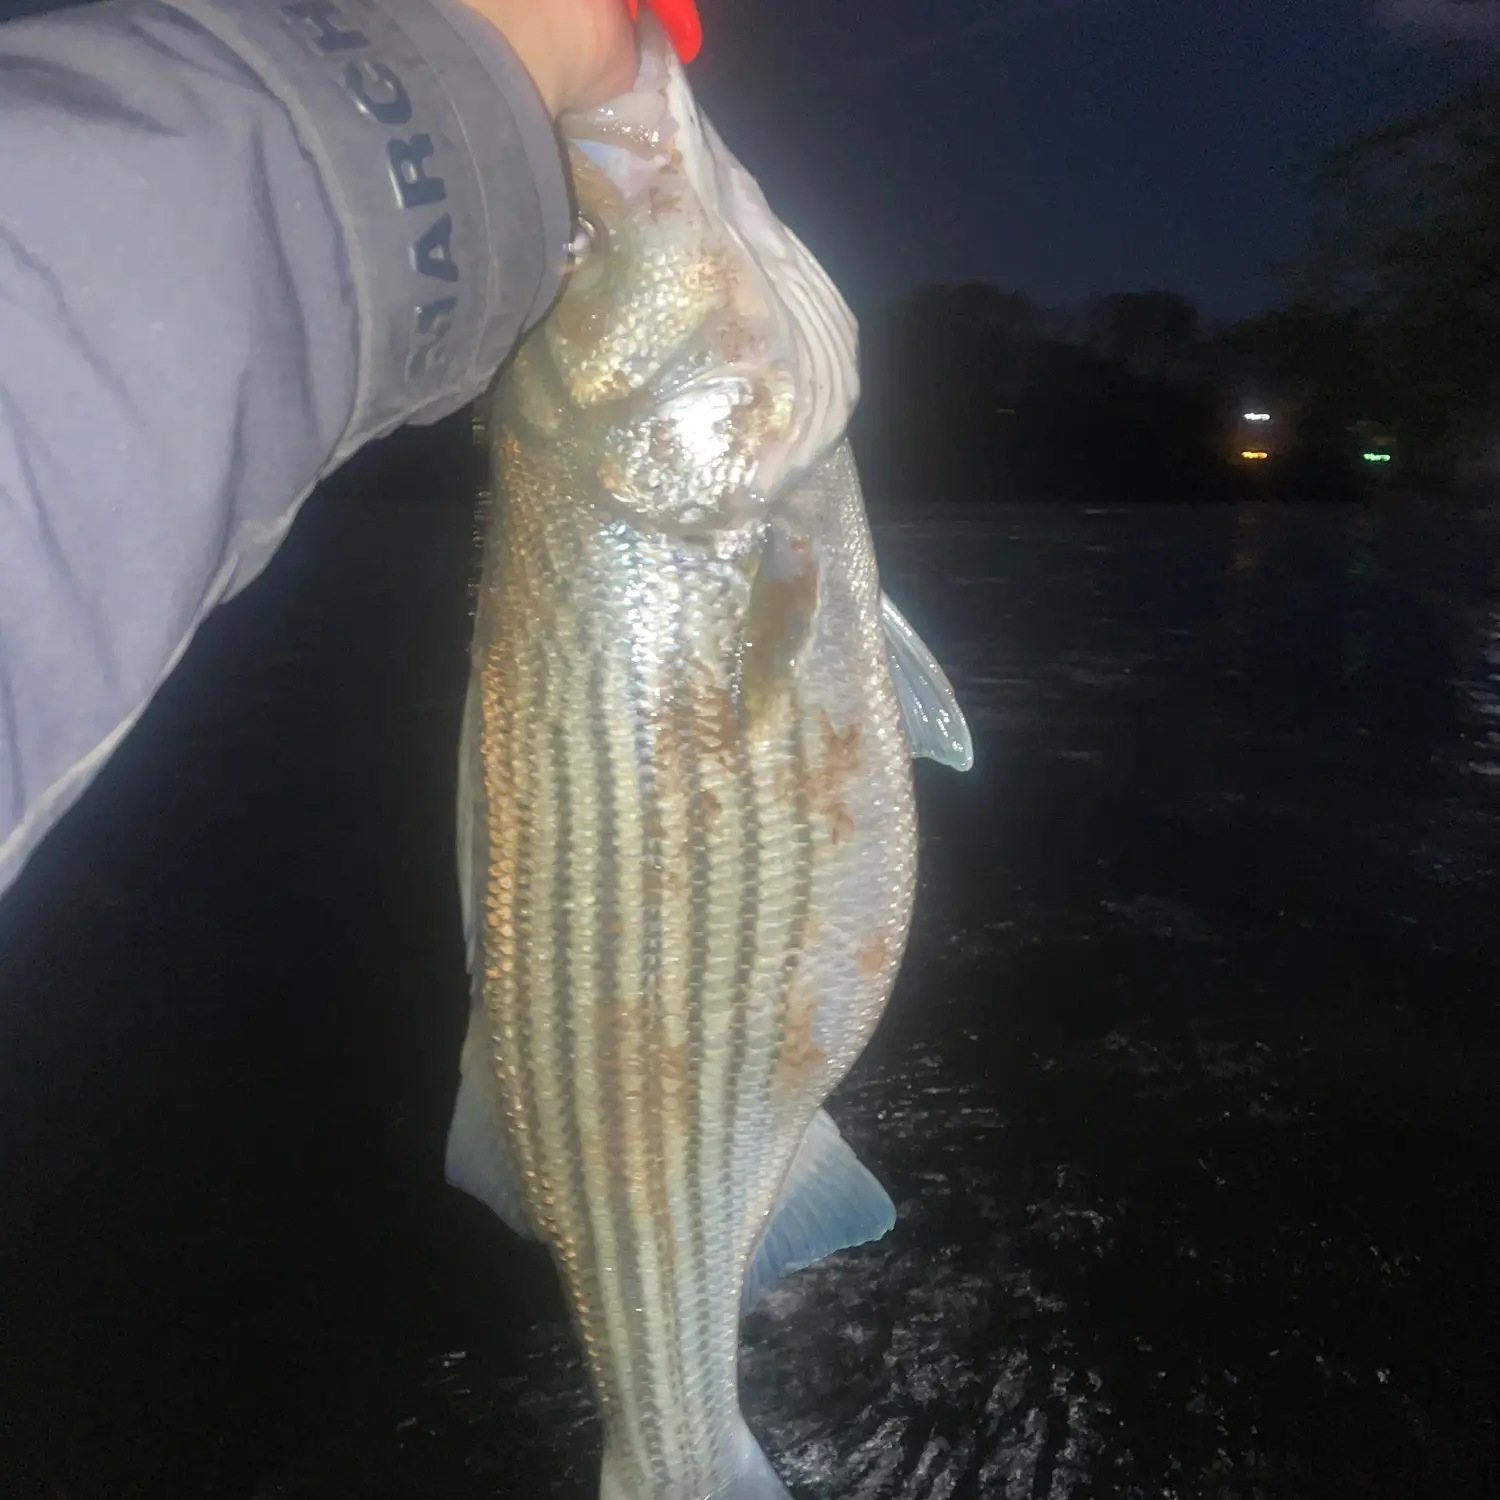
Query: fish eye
{"points": [[589, 238]]}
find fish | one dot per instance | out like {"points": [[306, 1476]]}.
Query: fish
{"points": [[686, 826]]}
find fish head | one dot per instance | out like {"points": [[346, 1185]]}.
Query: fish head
{"points": [[698, 359]]}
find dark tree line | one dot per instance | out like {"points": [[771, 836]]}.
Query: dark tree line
{"points": [[972, 393], [1392, 325], [1407, 246]]}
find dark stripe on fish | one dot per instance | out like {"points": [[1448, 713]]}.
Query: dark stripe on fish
{"points": [[571, 1190], [653, 1105], [684, 727], [620, 1115], [746, 939]]}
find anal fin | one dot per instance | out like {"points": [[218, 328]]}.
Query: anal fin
{"points": [[829, 1201]]}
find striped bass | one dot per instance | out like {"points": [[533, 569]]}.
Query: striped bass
{"points": [[687, 837]]}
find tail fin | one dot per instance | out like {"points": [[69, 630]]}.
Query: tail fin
{"points": [[756, 1479], [752, 1478]]}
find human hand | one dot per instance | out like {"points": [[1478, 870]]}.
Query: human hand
{"points": [[579, 52]]}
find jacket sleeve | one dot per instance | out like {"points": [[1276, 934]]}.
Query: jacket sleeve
{"points": [[238, 240]]}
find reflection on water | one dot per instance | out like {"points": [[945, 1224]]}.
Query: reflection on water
{"points": [[1186, 1096], [1481, 702]]}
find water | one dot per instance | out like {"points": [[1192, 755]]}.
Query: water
{"points": [[1187, 1097]]}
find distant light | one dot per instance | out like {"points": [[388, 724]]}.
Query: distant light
{"points": [[1377, 458], [1254, 453], [1257, 416]]}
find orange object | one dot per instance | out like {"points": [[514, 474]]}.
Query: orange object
{"points": [[679, 19]]}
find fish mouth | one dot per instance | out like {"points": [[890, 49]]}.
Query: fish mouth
{"points": [[632, 139], [655, 132]]}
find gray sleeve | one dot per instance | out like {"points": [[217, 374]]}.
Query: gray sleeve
{"points": [[238, 240]]}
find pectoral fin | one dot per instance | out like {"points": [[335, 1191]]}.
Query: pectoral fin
{"points": [[829, 1201], [935, 724]]}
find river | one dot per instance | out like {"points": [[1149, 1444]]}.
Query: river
{"points": [[1187, 1095]]}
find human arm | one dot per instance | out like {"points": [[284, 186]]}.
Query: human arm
{"points": [[237, 242]]}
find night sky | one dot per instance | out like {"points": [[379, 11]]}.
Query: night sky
{"points": [[1061, 147]]}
